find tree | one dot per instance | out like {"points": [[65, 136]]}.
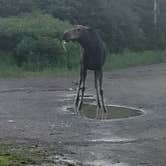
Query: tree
{"points": [[15, 7], [129, 24]]}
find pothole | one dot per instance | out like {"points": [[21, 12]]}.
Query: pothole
{"points": [[90, 111]]}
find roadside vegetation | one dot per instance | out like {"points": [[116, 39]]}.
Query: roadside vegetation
{"points": [[31, 34], [9, 67], [11, 155], [131, 59]]}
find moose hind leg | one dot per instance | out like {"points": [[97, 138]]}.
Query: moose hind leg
{"points": [[101, 90], [97, 90]]}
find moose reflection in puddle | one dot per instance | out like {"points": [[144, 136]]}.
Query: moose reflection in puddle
{"points": [[113, 112]]}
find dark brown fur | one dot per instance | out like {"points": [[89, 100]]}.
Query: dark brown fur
{"points": [[92, 58]]}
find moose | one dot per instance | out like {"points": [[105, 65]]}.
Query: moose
{"points": [[93, 55]]}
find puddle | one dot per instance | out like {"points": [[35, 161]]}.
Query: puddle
{"points": [[114, 140], [107, 163], [121, 164], [113, 112]]}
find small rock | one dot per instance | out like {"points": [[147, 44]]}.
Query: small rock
{"points": [[11, 121]]}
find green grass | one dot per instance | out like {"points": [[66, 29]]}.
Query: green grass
{"points": [[9, 69], [11, 155], [130, 59], [16, 72], [12, 160], [4, 161]]}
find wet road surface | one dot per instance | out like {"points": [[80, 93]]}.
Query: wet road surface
{"points": [[33, 111]]}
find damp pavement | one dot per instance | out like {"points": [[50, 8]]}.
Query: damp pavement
{"points": [[35, 111]]}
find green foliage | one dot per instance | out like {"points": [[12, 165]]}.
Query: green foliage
{"points": [[125, 24], [9, 68], [3, 161], [14, 7], [155, 34], [116, 20], [31, 32], [35, 41], [129, 59], [34, 25]]}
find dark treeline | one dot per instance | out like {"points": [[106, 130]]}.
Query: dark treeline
{"points": [[124, 24]]}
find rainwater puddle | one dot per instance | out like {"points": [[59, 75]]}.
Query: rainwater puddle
{"points": [[107, 163], [121, 164], [113, 112]]}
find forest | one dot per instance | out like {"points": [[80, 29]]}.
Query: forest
{"points": [[31, 32]]}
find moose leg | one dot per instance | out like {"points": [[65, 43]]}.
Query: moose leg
{"points": [[96, 87], [84, 74], [79, 89], [101, 89]]}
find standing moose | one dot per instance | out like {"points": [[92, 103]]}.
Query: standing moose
{"points": [[92, 58]]}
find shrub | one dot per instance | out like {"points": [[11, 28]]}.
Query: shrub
{"points": [[35, 40]]}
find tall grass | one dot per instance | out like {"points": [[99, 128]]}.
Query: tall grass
{"points": [[129, 59], [8, 67]]}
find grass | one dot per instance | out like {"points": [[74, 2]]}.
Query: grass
{"points": [[131, 59], [16, 156], [4, 161], [12, 159], [8, 69], [16, 72]]}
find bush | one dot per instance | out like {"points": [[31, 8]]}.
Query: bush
{"points": [[35, 41]]}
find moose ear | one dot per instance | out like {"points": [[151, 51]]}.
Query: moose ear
{"points": [[83, 27], [89, 28]]}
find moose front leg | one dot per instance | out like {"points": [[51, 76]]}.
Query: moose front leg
{"points": [[78, 91], [101, 89], [84, 74]]}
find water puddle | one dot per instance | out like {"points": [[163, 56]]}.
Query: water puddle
{"points": [[107, 163], [121, 164], [113, 112], [114, 140]]}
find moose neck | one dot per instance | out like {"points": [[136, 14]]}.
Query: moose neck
{"points": [[89, 40]]}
